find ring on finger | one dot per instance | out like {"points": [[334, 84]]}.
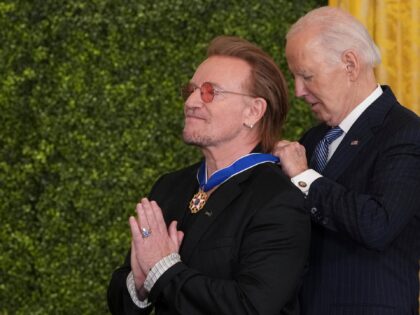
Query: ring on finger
{"points": [[145, 233]]}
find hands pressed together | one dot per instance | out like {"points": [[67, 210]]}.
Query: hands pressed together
{"points": [[148, 248]]}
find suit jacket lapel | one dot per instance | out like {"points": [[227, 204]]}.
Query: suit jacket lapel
{"points": [[359, 135], [174, 199], [216, 204]]}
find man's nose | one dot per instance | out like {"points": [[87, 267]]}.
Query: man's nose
{"points": [[194, 100], [300, 88]]}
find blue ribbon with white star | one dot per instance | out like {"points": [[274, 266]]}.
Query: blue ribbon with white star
{"points": [[242, 164]]}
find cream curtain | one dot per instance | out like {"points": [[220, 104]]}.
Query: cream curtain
{"points": [[395, 28]]}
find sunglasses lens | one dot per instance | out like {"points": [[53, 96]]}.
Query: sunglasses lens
{"points": [[207, 92]]}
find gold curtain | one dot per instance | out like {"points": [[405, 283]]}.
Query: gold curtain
{"points": [[395, 28]]}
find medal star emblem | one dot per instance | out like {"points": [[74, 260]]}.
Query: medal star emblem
{"points": [[198, 201]]}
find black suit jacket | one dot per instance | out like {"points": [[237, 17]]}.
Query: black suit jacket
{"points": [[366, 217], [243, 253]]}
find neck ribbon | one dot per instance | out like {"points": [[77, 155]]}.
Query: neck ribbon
{"points": [[219, 177]]}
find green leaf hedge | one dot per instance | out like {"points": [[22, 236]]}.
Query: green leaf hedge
{"points": [[90, 116]]}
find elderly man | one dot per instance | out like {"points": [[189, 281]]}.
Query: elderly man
{"points": [[242, 237], [359, 170]]}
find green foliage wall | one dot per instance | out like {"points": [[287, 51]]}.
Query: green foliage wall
{"points": [[90, 116]]}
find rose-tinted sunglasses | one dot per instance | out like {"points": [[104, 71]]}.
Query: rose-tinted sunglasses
{"points": [[207, 91]]}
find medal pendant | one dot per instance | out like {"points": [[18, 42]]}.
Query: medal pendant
{"points": [[198, 201]]}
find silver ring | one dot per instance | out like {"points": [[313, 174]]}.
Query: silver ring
{"points": [[145, 232]]}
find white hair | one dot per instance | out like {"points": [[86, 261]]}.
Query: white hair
{"points": [[338, 31]]}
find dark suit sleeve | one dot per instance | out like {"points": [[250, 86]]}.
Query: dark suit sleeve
{"points": [[271, 260], [119, 300], [372, 208]]}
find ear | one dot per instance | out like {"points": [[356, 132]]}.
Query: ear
{"points": [[351, 61], [255, 111]]}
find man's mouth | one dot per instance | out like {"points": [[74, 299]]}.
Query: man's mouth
{"points": [[193, 117]]}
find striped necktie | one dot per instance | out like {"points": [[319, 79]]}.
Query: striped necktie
{"points": [[320, 156]]}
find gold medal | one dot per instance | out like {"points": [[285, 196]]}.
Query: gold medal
{"points": [[198, 201]]}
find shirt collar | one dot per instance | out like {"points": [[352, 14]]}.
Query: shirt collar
{"points": [[346, 124]]}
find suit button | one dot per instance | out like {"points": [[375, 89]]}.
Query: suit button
{"points": [[314, 210]]}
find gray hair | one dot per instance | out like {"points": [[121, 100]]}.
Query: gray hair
{"points": [[338, 31]]}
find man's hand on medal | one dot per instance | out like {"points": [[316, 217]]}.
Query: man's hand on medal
{"points": [[151, 239], [292, 157]]}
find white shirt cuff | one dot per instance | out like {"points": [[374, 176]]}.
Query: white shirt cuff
{"points": [[131, 286], [159, 269], [154, 274], [304, 180]]}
